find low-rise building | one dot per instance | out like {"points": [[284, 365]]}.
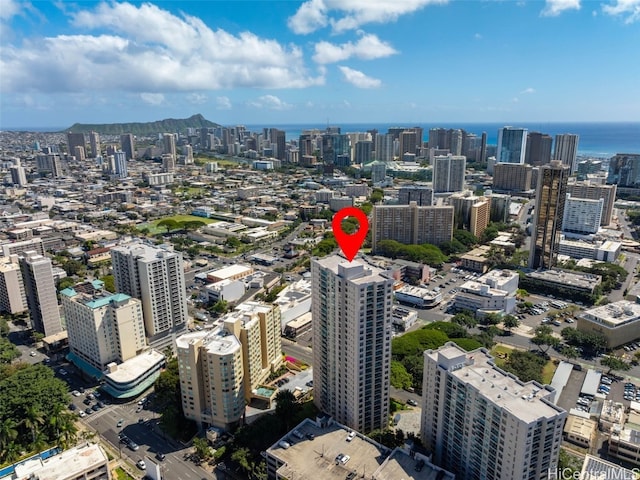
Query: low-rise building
{"points": [[625, 445], [403, 318], [579, 430], [134, 376], [584, 283], [328, 450], [418, 296], [618, 322], [232, 272], [476, 259], [227, 290], [481, 298], [87, 461]]}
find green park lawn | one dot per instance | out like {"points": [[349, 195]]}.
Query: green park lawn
{"points": [[154, 228]]}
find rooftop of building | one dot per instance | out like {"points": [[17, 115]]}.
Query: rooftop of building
{"points": [[581, 280], [68, 464], [96, 299], [135, 367], [479, 288], [418, 292], [478, 254], [526, 401], [217, 341], [357, 271], [614, 314], [230, 271], [316, 458], [145, 251], [579, 427]]}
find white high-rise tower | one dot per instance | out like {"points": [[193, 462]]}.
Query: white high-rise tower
{"points": [[351, 307], [154, 275]]}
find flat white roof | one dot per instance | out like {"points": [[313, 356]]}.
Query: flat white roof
{"points": [[523, 400], [136, 366], [68, 464], [230, 271]]}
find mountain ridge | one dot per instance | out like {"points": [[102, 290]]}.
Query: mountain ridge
{"points": [[169, 125]]}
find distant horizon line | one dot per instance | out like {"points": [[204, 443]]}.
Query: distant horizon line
{"points": [[58, 129]]}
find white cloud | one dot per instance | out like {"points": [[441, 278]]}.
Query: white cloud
{"points": [[528, 90], [223, 103], [359, 79], [154, 99], [553, 8], [367, 47], [627, 8], [10, 8], [170, 53], [351, 14], [310, 16], [197, 98], [269, 102]]}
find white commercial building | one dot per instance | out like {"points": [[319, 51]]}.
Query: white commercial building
{"points": [[103, 327], [418, 296], [227, 290], [582, 215], [481, 422], [448, 173], [155, 275], [294, 301], [351, 308], [87, 461], [491, 293]]}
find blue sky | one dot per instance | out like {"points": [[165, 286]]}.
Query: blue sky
{"points": [[338, 61]]}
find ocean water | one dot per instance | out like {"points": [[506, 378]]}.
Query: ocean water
{"points": [[598, 140]]}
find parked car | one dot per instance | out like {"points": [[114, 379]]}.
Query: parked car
{"points": [[141, 465]]}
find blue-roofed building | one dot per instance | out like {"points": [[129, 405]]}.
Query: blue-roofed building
{"points": [[103, 327]]}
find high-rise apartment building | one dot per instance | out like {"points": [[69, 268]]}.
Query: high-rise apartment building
{"points": [[40, 290], [211, 371], [351, 311], [624, 170], [512, 177], [582, 215], [120, 164], [538, 151], [595, 191], [257, 326], [169, 145], [384, 147], [511, 145], [75, 140], [127, 145], [363, 152], [566, 150], [155, 275], [94, 142], [411, 224], [548, 215], [408, 142], [471, 212], [79, 153], [448, 173], [103, 327], [12, 294], [18, 175], [481, 422], [421, 194]]}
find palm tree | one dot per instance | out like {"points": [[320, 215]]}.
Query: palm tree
{"points": [[33, 419], [8, 432], [11, 453], [67, 430]]}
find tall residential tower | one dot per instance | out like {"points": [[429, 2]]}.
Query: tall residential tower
{"points": [[351, 306], [551, 194]]}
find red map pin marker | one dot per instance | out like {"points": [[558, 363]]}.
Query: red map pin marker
{"points": [[350, 244]]}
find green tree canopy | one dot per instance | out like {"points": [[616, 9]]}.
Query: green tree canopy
{"points": [[525, 365], [400, 378]]}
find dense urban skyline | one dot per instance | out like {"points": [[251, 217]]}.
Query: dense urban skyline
{"points": [[319, 61]]}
